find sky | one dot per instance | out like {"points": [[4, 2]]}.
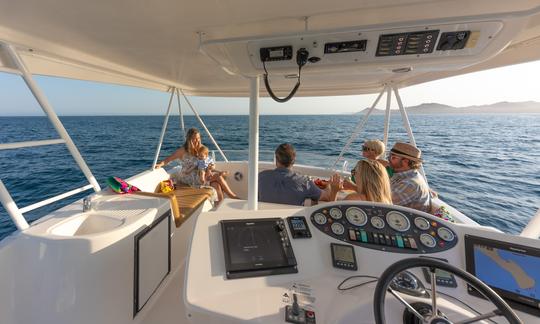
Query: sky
{"points": [[71, 97]]}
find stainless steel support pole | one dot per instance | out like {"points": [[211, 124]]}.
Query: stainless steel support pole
{"points": [[12, 209], [182, 126], [163, 129], [387, 115], [204, 126], [55, 121], [253, 165], [358, 128]]}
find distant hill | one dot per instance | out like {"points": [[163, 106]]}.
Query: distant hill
{"points": [[528, 107]]}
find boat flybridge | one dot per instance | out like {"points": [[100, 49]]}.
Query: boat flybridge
{"points": [[152, 258]]}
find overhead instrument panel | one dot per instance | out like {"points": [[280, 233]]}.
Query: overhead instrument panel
{"points": [[365, 49], [385, 229]]}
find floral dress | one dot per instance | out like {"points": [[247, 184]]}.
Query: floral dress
{"points": [[188, 174]]}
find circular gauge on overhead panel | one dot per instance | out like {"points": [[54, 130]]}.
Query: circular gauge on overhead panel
{"points": [[421, 223], [446, 234], [428, 240], [319, 218], [356, 216], [377, 222], [398, 221], [336, 213], [338, 229]]}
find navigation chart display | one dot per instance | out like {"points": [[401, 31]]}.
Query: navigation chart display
{"points": [[511, 270]]}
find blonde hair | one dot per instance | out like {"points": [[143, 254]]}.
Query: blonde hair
{"points": [[376, 146], [373, 181], [202, 149], [191, 133]]}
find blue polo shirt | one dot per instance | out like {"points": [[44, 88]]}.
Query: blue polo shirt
{"points": [[282, 186]]}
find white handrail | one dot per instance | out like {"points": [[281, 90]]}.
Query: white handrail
{"points": [[55, 198], [49, 111], [10, 146], [163, 129], [204, 126], [359, 127], [12, 209]]}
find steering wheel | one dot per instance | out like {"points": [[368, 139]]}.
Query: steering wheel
{"points": [[502, 308]]}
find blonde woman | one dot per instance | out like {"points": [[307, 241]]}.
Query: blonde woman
{"points": [[187, 154], [372, 182], [372, 150]]}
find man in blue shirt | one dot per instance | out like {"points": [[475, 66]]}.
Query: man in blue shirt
{"points": [[283, 186]]}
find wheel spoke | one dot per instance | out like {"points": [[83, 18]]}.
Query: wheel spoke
{"points": [[491, 314], [435, 311], [409, 307]]}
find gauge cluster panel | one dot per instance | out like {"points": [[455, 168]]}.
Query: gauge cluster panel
{"points": [[385, 229]]}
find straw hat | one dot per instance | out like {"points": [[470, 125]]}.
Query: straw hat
{"points": [[407, 151]]}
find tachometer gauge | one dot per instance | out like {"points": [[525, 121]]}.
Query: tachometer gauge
{"points": [[338, 229], [398, 221], [446, 234], [356, 216], [319, 219], [428, 240], [336, 213], [421, 223], [377, 222]]}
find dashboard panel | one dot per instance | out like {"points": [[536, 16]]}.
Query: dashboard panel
{"points": [[384, 228]]}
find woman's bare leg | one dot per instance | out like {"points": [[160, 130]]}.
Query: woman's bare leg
{"points": [[226, 188], [219, 192]]}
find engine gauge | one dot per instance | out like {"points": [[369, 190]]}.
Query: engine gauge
{"points": [[336, 213], [356, 216], [319, 218], [377, 222], [406, 282], [421, 223], [446, 234], [338, 229], [398, 221], [428, 240]]}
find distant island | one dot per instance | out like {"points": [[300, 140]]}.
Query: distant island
{"points": [[526, 107]]}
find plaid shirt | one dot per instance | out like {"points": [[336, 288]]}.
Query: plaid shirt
{"points": [[409, 189]]}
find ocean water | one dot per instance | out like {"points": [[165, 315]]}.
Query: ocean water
{"points": [[487, 166]]}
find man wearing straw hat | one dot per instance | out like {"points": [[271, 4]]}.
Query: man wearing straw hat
{"points": [[409, 189]]}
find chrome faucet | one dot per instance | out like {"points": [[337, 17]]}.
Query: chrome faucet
{"points": [[87, 203]]}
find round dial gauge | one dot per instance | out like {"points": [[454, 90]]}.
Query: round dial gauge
{"points": [[319, 219], [338, 229], [446, 234], [356, 216], [398, 221], [336, 213], [421, 223], [405, 280], [377, 222], [428, 240]]}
